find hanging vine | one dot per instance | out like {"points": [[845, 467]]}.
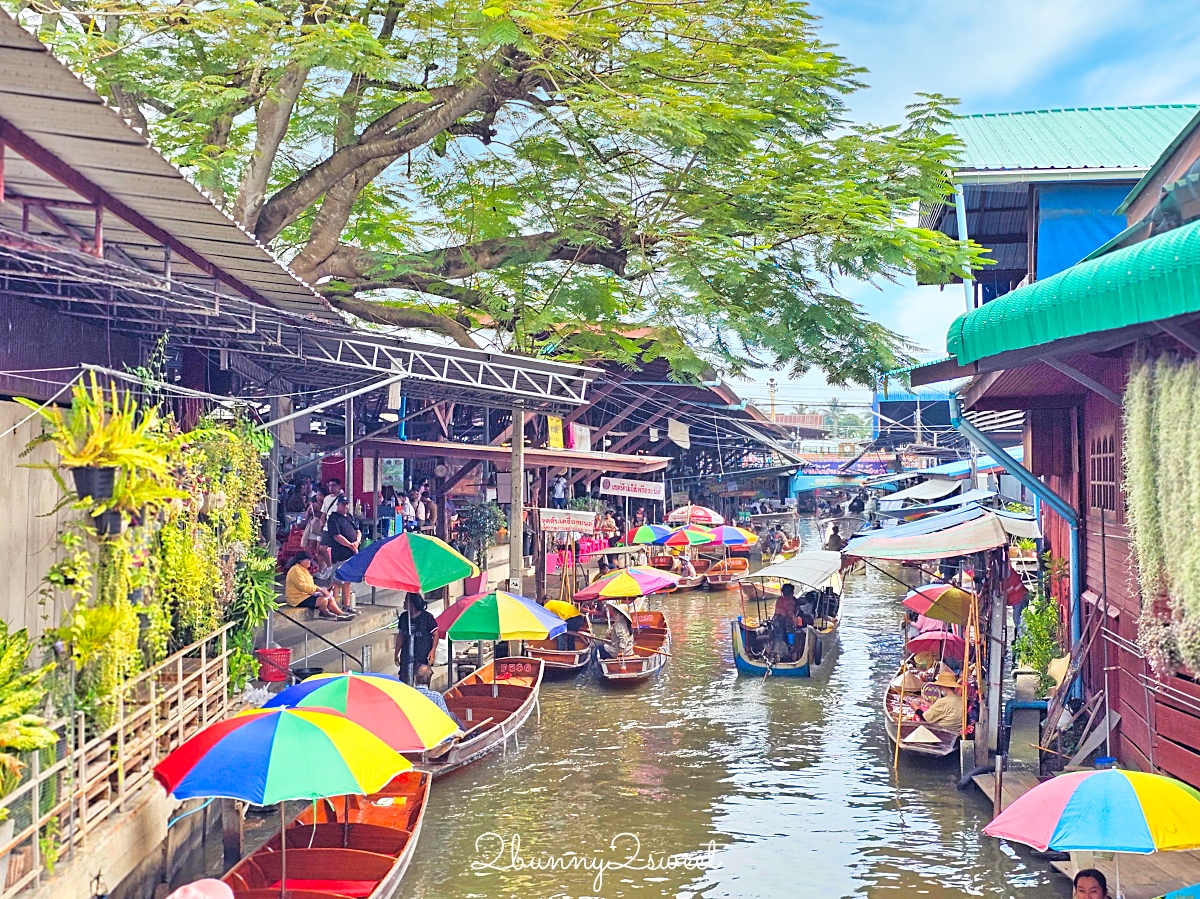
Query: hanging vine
{"points": [[1162, 486]]}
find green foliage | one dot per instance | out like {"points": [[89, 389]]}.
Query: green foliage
{"points": [[21, 691], [1040, 641], [671, 180], [253, 603], [1162, 502], [587, 504], [478, 526]]}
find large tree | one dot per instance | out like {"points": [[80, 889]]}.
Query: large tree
{"points": [[618, 178]]}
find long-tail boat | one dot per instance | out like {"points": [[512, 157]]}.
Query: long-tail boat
{"points": [[348, 847], [563, 662], [492, 703], [651, 647], [906, 691], [724, 574]]}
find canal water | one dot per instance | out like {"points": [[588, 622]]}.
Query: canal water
{"points": [[702, 783]]}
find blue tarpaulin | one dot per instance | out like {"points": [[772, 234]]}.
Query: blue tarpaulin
{"points": [[1073, 220]]}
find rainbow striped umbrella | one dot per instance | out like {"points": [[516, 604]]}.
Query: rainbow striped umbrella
{"points": [[505, 616], [646, 533], [402, 717], [628, 582], [266, 756], [691, 535], [407, 561], [1104, 811], [728, 535]]}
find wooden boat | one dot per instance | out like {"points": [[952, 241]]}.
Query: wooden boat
{"points": [[562, 662], [350, 846], [691, 583], [723, 575], [791, 546], [755, 643], [492, 703], [651, 644], [916, 737]]}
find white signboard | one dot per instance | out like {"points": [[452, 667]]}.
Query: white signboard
{"points": [[626, 487], [568, 520]]}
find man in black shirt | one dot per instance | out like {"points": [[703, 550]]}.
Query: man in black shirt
{"points": [[415, 628], [343, 537]]}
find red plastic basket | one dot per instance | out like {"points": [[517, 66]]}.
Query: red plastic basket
{"points": [[273, 664]]}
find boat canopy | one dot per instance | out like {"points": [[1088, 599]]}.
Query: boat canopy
{"points": [[935, 488], [812, 569], [971, 536]]}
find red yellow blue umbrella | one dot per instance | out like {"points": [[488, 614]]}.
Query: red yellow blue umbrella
{"points": [[728, 535], [628, 582], [402, 717], [691, 535], [646, 533], [268, 756]]}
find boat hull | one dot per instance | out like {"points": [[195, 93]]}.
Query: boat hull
{"points": [[479, 696], [342, 844], [748, 662], [651, 643], [559, 663]]}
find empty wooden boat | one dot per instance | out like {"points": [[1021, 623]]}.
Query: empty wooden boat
{"points": [[349, 847], [651, 647], [723, 575], [492, 703], [562, 662]]}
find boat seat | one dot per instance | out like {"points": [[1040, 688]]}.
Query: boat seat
{"points": [[481, 705], [312, 865], [374, 838], [503, 691]]}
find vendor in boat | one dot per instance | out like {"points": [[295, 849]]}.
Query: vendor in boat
{"points": [[835, 543], [416, 630], [423, 677], [620, 635], [946, 712], [686, 568]]}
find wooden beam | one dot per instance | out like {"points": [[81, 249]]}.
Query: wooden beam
{"points": [[507, 432], [1086, 380], [602, 431], [596, 397], [459, 476], [641, 429], [1187, 338]]}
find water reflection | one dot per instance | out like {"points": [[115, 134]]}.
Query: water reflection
{"points": [[790, 781]]}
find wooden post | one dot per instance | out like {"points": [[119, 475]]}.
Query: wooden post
{"points": [[231, 831], [516, 518], [998, 793]]}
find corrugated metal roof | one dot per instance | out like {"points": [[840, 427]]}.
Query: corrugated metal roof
{"points": [[45, 103], [1153, 280], [1113, 137]]}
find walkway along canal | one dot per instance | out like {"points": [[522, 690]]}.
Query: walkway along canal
{"points": [[790, 781]]}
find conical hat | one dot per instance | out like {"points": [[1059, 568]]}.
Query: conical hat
{"points": [[909, 682], [922, 735]]}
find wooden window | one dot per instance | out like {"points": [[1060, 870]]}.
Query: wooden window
{"points": [[1102, 473]]}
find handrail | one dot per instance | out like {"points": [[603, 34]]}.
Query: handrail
{"points": [[308, 630], [101, 776]]}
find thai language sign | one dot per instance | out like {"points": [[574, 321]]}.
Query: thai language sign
{"points": [[628, 487], [568, 520]]}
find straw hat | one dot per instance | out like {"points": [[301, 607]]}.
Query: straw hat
{"points": [[909, 682], [947, 678]]}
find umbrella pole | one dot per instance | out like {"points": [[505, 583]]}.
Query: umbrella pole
{"points": [[282, 852], [1117, 865]]}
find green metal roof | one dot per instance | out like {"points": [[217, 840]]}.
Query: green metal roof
{"points": [[1156, 279], [1168, 151], [1119, 137]]}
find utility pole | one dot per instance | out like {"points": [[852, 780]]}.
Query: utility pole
{"points": [[772, 386], [516, 516]]}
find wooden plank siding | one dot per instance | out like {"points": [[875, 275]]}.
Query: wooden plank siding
{"points": [[1154, 725]]}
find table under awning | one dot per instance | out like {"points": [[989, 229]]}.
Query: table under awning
{"points": [[973, 536], [393, 448]]}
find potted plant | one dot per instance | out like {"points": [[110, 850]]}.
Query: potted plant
{"points": [[21, 691]]}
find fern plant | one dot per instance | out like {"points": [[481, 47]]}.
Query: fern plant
{"points": [[21, 691]]}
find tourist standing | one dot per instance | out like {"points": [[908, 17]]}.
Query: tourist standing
{"points": [[416, 636], [342, 536], [558, 492]]}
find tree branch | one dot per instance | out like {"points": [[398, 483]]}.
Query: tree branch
{"points": [[406, 317]]}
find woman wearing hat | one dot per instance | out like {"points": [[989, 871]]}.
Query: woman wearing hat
{"points": [[946, 712]]}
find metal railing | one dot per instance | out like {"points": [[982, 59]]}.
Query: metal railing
{"points": [[330, 644], [91, 779]]}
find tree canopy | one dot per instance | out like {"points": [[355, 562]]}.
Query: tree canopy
{"points": [[624, 179]]}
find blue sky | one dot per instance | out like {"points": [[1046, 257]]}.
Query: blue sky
{"points": [[1000, 56]]}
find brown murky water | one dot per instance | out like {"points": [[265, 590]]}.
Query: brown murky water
{"points": [[702, 783]]}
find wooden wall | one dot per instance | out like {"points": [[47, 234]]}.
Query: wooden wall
{"points": [[27, 532]]}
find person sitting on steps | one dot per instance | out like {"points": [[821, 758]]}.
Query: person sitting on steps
{"points": [[301, 592]]}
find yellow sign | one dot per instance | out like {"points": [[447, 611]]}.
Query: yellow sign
{"points": [[555, 431]]}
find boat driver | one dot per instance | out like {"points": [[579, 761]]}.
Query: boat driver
{"points": [[946, 712], [783, 623]]}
